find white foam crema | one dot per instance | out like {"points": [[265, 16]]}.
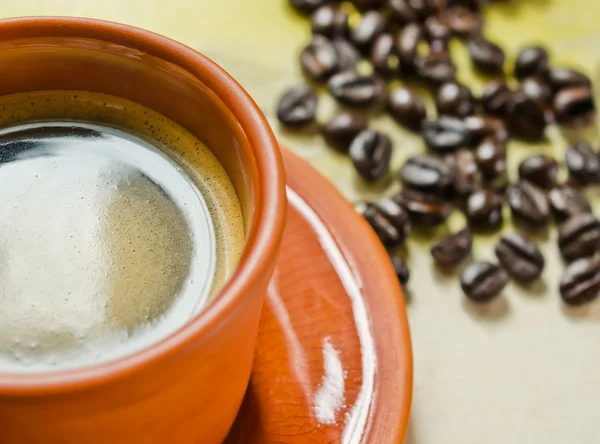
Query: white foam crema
{"points": [[107, 245]]}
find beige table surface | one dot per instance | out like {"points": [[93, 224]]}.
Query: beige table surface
{"points": [[524, 369]]}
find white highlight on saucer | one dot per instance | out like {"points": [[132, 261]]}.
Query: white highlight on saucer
{"points": [[356, 420], [330, 397]]}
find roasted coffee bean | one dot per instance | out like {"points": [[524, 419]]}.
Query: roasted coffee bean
{"points": [[482, 127], [297, 106], [427, 173], [575, 106], [371, 25], [520, 257], [424, 209], [482, 281], [364, 5], [383, 56], [436, 67], [526, 118], [583, 164], [352, 89], [309, 5], [437, 29], [560, 78], [371, 152], [401, 12], [531, 61], [389, 220], [407, 42], [445, 134], [466, 174], [451, 250], [566, 202], [535, 89], [540, 170], [491, 159], [484, 210], [319, 59], [407, 108], [529, 204], [497, 98], [454, 99], [463, 22], [401, 270], [485, 55], [580, 282], [341, 130], [579, 236], [330, 21], [347, 55]]}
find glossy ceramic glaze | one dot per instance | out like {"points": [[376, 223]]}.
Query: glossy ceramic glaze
{"points": [[333, 362], [188, 387]]}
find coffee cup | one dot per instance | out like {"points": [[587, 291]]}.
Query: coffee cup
{"points": [[187, 385]]}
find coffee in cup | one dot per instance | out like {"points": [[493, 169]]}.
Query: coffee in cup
{"points": [[117, 226]]}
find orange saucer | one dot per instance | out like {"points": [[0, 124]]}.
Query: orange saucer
{"points": [[333, 361]]}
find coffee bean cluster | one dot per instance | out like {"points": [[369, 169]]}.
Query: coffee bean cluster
{"points": [[464, 167]]}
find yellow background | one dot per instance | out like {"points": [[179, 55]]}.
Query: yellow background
{"points": [[522, 369]]}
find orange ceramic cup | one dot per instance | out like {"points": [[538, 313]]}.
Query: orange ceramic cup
{"points": [[188, 387]]}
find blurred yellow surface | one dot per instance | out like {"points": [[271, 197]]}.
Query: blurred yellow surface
{"points": [[522, 369]]}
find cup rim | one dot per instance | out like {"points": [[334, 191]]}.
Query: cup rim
{"points": [[270, 202]]}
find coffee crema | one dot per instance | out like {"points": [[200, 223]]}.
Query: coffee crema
{"points": [[116, 227]]}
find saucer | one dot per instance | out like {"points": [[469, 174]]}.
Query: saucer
{"points": [[333, 361]]}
